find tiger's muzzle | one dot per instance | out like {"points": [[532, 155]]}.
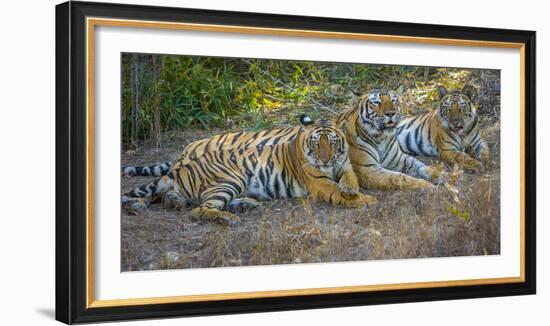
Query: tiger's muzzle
{"points": [[388, 122], [456, 127]]}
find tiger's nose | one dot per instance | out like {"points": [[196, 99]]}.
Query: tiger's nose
{"points": [[324, 156], [390, 114]]}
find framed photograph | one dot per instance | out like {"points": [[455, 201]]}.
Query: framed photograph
{"points": [[213, 162]]}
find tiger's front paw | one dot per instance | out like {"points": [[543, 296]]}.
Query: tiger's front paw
{"points": [[472, 165], [405, 182], [367, 199], [227, 219], [348, 185], [434, 174], [361, 200], [243, 204], [419, 184]]}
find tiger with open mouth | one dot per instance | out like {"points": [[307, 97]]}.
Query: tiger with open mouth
{"points": [[450, 132]]}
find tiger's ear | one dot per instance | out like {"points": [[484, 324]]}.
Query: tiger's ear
{"points": [[442, 91], [305, 120], [355, 92], [469, 91]]}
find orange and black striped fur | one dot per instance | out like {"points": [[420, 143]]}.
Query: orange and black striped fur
{"points": [[374, 151], [449, 132], [314, 163], [370, 131], [227, 141]]}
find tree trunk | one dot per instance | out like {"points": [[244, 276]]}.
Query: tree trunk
{"points": [[135, 98], [156, 127]]}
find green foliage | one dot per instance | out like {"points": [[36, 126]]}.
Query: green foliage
{"points": [[165, 93], [456, 212]]}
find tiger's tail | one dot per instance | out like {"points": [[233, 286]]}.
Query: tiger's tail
{"points": [[142, 196], [156, 170]]}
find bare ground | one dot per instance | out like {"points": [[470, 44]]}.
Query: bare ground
{"points": [[463, 220]]}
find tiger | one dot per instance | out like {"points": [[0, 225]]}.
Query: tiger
{"points": [[374, 151], [314, 163], [370, 132], [449, 132], [220, 142], [226, 141]]}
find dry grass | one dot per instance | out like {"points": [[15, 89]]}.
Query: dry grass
{"points": [[405, 224]]}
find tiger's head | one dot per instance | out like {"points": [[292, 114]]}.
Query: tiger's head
{"points": [[323, 143], [380, 111], [456, 110]]}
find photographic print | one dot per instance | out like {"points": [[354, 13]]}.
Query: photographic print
{"points": [[244, 162], [312, 161]]}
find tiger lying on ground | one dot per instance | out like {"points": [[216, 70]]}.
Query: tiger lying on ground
{"points": [[315, 163], [447, 132], [221, 142], [370, 130], [374, 151]]}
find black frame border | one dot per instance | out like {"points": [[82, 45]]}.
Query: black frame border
{"points": [[71, 162]]}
